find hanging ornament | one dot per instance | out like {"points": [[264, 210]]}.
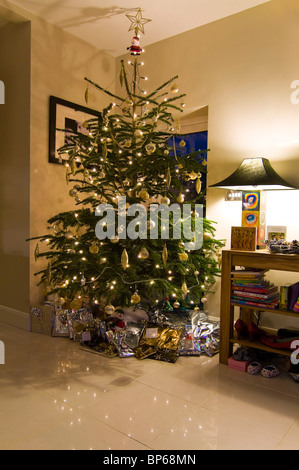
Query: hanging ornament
{"points": [[61, 301], [69, 235], [73, 192], [174, 88], [94, 249], [207, 236], [168, 178], [144, 194], [109, 309], [121, 76], [196, 273], [183, 256], [182, 143], [191, 176], [196, 309], [164, 255], [36, 252], [219, 258], [184, 288], [178, 125], [114, 239], [143, 253], [165, 200], [167, 305], [150, 224], [87, 95], [49, 272], [138, 133], [204, 300], [135, 299], [176, 304], [124, 259], [198, 185], [181, 198], [150, 148], [135, 49]]}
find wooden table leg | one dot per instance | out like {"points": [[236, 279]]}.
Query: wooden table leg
{"points": [[226, 311]]}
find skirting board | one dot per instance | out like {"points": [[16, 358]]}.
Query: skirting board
{"points": [[15, 318]]}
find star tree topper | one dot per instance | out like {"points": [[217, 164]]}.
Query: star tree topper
{"points": [[138, 22]]}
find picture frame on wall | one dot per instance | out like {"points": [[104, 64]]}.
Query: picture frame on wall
{"points": [[65, 116]]}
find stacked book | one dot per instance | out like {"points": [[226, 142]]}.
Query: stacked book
{"points": [[249, 287]]}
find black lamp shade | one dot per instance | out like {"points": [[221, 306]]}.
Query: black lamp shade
{"points": [[254, 173]]}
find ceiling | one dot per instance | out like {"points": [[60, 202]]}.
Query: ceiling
{"points": [[103, 23]]}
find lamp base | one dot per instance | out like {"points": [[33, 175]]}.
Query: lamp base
{"points": [[254, 214]]}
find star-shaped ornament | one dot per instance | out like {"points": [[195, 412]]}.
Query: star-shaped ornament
{"points": [[137, 22]]}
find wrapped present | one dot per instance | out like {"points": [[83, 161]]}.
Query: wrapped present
{"points": [[42, 319], [117, 338], [60, 325]]}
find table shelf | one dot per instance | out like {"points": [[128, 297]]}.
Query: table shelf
{"points": [[253, 259]]}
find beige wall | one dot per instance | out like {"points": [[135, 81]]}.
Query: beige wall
{"points": [[241, 67], [15, 166]]}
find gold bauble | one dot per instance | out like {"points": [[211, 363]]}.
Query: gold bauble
{"points": [[109, 309], [182, 143], [144, 194], [94, 249], [138, 133], [176, 304], [206, 236], [174, 88], [69, 235], [192, 175], [73, 192], [150, 224], [114, 239], [196, 309], [150, 148], [183, 256], [181, 198], [165, 200], [135, 299], [196, 273], [61, 301], [143, 253]]}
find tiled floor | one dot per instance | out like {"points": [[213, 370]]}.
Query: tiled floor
{"points": [[55, 396]]}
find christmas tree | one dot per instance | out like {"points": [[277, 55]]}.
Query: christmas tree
{"points": [[123, 163]]}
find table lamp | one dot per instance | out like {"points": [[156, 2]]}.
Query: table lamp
{"points": [[253, 177]]}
